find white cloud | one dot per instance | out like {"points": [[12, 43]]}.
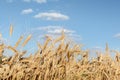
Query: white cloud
{"points": [[97, 48], [40, 1], [117, 35], [27, 11], [58, 31], [9, 1], [55, 30], [46, 28], [37, 1], [54, 0], [27, 0], [51, 16]]}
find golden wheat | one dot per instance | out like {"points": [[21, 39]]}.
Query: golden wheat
{"points": [[11, 29], [26, 40], [51, 62]]}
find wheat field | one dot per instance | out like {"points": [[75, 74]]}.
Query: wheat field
{"points": [[56, 60]]}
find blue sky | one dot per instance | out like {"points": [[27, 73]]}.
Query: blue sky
{"points": [[91, 22]]}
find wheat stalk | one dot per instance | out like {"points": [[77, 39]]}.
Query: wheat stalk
{"points": [[26, 40], [18, 42], [57, 62], [11, 29]]}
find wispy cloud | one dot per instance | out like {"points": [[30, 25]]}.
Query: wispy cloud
{"points": [[37, 1], [40, 1], [117, 35], [55, 31], [27, 11], [9, 1], [27, 0], [58, 31], [51, 16], [97, 48]]}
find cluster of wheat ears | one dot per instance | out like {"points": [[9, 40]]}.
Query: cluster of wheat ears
{"points": [[57, 62]]}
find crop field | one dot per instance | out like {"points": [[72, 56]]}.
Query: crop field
{"points": [[56, 60]]}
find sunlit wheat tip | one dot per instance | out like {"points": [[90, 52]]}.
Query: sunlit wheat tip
{"points": [[26, 40], [11, 30]]}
